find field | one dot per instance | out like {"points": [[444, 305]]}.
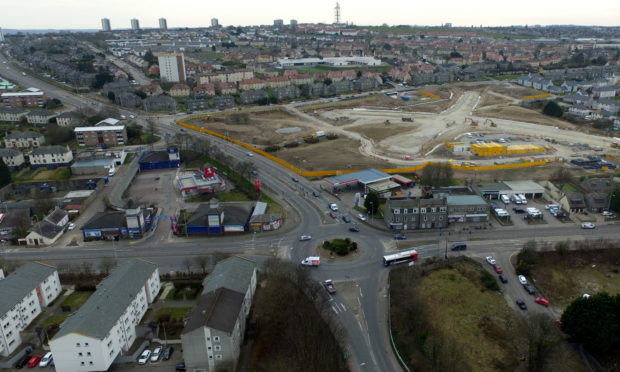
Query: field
{"points": [[522, 114], [453, 317], [42, 174]]}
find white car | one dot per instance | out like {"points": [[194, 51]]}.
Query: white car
{"points": [[588, 225], [551, 206], [608, 214], [249, 154], [45, 361], [132, 116], [522, 279], [305, 237], [144, 357], [156, 354], [491, 260], [71, 226], [361, 217]]}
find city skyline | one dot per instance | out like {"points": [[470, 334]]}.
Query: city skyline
{"points": [[54, 15]]}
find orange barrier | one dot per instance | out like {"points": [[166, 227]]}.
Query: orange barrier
{"points": [[429, 94], [544, 95], [326, 173]]}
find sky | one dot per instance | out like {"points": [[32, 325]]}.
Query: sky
{"points": [[87, 14]]}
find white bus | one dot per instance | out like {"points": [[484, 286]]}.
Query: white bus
{"points": [[400, 257]]}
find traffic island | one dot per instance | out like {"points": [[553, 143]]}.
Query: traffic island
{"points": [[338, 249]]}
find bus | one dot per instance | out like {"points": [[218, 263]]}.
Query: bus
{"points": [[400, 257]]}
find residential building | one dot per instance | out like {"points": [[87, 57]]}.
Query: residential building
{"points": [[171, 67], [467, 208], [1, 36], [24, 293], [135, 24], [215, 22], [40, 117], [215, 328], [163, 24], [204, 90], [179, 90], [132, 223], [105, 326], [42, 233], [199, 104], [12, 158], [105, 25], [23, 140], [278, 22], [160, 103], [108, 135], [50, 157], [58, 217], [413, 214], [12, 114], [68, 119], [23, 99]]}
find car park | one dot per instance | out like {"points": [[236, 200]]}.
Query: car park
{"points": [[491, 260], [400, 236], [498, 269], [167, 353], [518, 210], [144, 357], [522, 279], [34, 361], [502, 278], [588, 225], [542, 301], [156, 354], [180, 367], [305, 237], [529, 289], [346, 219], [354, 229], [46, 360], [521, 304]]}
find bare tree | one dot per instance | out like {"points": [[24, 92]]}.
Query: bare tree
{"points": [[106, 264], [542, 337], [203, 262], [188, 263]]}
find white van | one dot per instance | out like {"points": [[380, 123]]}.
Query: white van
{"points": [[504, 198], [516, 199], [111, 172], [523, 199]]}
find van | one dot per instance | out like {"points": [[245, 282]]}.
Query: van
{"points": [[111, 172], [516, 199], [504, 199], [333, 207], [523, 199], [459, 246]]}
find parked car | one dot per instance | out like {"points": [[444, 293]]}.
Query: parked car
{"points": [[400, 236], [498, 269], [354, 229], [542, 301], [144, 357], [305, 237], [491, 260], [21, 362], [361, 217], [180, 367], [34, 361], [156, 354], [608, 214], [588, 225], [521, 304], [333, 215], [522, 279], [167, 353], [249, 154], [46, 360], [71, 226], [295, 179], [346, 219], [518, 210], [529, 289], [502, 278]]}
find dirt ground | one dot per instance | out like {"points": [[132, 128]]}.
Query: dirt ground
{"points": [[381, 131], [514, 91], [522, 114], [488, 99]]}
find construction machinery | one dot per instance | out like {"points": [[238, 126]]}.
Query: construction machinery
{"points": [[490, 122], [471, 121]]}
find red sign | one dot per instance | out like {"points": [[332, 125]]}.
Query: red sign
{"points": [[257, 184], [209, 172]]}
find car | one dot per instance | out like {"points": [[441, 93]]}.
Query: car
{"points": [[491, 260], [459, 247], [518, 210], [295, 179], [346, 219], [400, 236], [361, 217], [333, 215], [249, 154], [522, 279], [34, 361], [180, 367], [521, 304], [551, 205], [588, 225], [329, 286], [144, 357], [167, 353], [529, 289], [21, 362], [498, 269], [354, 229], [305, 237], [156, 354], [542, 301], [316, 194], [46, 360], [132, 116], [502, 278], [71, 226], [607, 214]]}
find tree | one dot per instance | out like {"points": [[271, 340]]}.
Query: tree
{"points": [[561, 177], [101, 79], [58, 135], [594, 322], [553, 109], [203, 261], [542, 338], [111, 96], [5, 174], [327, 81], [614, 203], [140, 94], [106, 264], [372, 202], [188, 263]]}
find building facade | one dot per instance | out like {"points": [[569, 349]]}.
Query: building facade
{"points": [[467, 208], [135, 24], [108, 135], [171, 67], [11, 114], [105, 25], [414, 214], [50, 157], [23, 99], [23, 140], [163, 24], [105, 326], [12, 158]]}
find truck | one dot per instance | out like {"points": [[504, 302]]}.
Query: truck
{"points": [[311, 261], [329, 286], [333, 207], [320, 133]]}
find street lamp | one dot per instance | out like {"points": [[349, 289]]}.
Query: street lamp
{"points": [[372, 212]]}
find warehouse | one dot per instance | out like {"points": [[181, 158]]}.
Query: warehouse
{"points": [[493, 190], [363, 178], [497, 149]]}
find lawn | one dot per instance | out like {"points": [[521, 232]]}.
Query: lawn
{"points": [[55, 319], [42, 174], [76, 299], [505, 77], [176, 313]]}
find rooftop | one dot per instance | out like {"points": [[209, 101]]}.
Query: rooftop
{"points": [[22, 281], [365, 177], [99, 128], [218, 309], [234, 273]]}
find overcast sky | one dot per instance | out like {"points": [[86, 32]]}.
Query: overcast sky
{"points": [[87, 14]]}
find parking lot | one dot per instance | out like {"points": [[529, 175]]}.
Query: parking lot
{"points": [[518, 219], [161, 365]]}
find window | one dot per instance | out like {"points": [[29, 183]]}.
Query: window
{"points": [[81, 363], [79, 354], [396, 211], [218, 348], [78, 344], [90, 363], [210, 356], [216, 338], [88, 354], [208, 347], [86, 344], [218, 356]]}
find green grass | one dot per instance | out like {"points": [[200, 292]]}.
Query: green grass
{"points": [[176, 313], [506, 77], [616, 98], [128, 159], [568, 187], [42, 174], [76, 299], [55, 319]]}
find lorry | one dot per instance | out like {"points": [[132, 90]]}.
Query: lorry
{"points": [[311, 261], [329, 286]]}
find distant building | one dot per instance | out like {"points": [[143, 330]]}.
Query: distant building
{"points": [[105, 25], [40, 117], [215, 22], [1, 36], [163, 24], [23, 99], [50, 157], [23, 140], [12, 158], [135, 24], [293, 22], [68, 119], [412, 214], [171, 67], [108, 135], [13, 115], [160, 159], [278, 22]]}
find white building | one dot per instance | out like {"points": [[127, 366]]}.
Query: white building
{"points": [[330, 61], [105, 25], [135, 24], [171, 67], [24, 293], [215, 22], [1, 36], [163, 24], [50, 157], [23, 140], [12, 158], [105, 326]]}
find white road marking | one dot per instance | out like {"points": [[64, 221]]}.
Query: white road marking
{"points": [[334, 308]]}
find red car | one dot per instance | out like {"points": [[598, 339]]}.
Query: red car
{"points": [[498, 269], [34, 361], [333, 215], [542, 301]]}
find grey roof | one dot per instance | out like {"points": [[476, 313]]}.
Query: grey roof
{"points": [[465, 200], [56, 216], [22, 281], [16, 217], [9, 152], [50, 150], [104, 308], [41, 112], [234, 273], [492, 186], [103, 220], [24, 134], [46, 229], [365, 177], [12, 110], [218, 309]]}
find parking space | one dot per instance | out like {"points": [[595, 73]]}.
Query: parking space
{"points": [[519, 212], [160, 365]]}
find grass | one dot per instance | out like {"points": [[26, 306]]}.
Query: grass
{"points": [[505, 77], [42, 174], [55, 319], [176, 313], [128, 159], [76, 299]]}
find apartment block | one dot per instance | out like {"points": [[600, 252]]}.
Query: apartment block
{"points": [[172, 67], [23, 99], [108, 135], [24, 294], [105, 326], [412, 214]]}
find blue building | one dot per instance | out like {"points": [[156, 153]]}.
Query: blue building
{"points": [[214, 218], [132, 223], [160, 159]]}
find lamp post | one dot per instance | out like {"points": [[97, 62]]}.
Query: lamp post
{"points": [[372, 212]]}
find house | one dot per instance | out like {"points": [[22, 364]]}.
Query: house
{"points": [[98, 135], [579, 110], [127, 99], [105, 326], [413, 214], [69, 119], [608, 104], [576, 202], [58, 217], [179, 90], [40, 117], [467, 208], [597, 202], [151, 89], [215, 218], [160, 103], [227, 88], [23, 140], [199, 104], [12, 219], [50, 157], [131, 223], [597, 193], [253, 95], [24, 293], [12, 158], [252, 84], [42, 233], [222, 102], [12, 115], [214, 330], [204, 90]]}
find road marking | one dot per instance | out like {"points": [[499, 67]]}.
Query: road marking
{"points": [[334, 308], [344, 308], [361, 295]]}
